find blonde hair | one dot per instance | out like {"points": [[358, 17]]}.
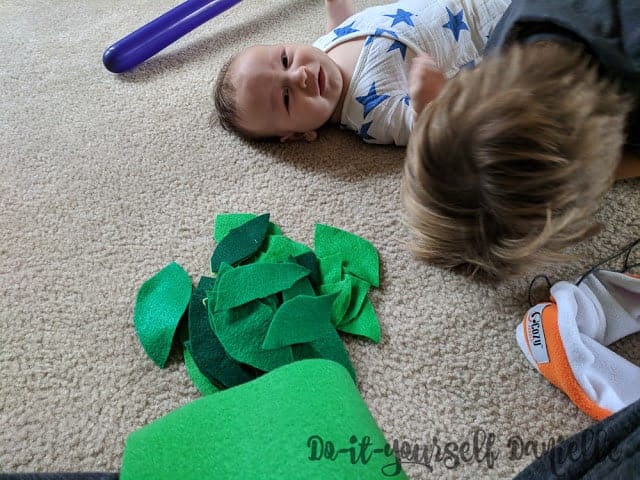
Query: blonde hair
{"points": [[506, 167]]}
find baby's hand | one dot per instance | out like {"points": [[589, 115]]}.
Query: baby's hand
{"points": [[425, 81]]}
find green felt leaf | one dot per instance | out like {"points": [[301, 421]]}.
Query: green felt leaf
{"points": [[278, 248], [242, 331], [330, 267], [301, 287], [262, 430], [359, 255], [225, 222], [245, 283], [359, 290], [160, 303], [201, 382], [205, 347], [310, 261], [329, 347], [241, 242], [365, 324], [301, 319], [341, 304]]}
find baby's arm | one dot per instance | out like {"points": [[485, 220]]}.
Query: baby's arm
{"points": [[629, 166], [337, 12], [425, 81]]}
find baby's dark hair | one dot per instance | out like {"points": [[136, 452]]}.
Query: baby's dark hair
{"points": [[506, 167], [224, 98]]}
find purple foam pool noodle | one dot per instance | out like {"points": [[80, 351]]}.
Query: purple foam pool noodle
{"points": [[149, 39]]}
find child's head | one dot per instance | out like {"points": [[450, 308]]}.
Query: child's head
{"points": [[278, 91], [506, 166]]}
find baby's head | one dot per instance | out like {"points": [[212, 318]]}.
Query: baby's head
{"points": [[506, 167], [278, 91]]}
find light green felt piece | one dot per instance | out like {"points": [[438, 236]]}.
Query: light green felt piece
{"points": [[160, 303], [301, 319], [201, 382], [330, 267], [301, 287], [272, 428], [241, 242], [359, 290], [245, 283], [225, 222], [242, 331], [359, 255], [365, 323], [341, 304], [278, 248]]}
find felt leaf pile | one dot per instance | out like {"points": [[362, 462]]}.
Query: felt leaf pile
{"points": [[269, 301]]}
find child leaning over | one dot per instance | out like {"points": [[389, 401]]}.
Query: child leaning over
{"points": [[369, 73], [506, 167]]}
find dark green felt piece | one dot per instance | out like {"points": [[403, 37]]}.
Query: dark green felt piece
{"points": [[225, 222], [310, 261], [160, 303], [265, 430], [245, 283], [359, 255], [278, 248], [365, 323], [205, 347], [201, 382], [329, 347], [301, 319], [242, 330], [241, 242]]}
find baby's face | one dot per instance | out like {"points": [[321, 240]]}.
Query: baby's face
{"points": [[285, 89]]}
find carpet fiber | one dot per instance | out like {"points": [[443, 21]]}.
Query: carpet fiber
{"points": [[107, 178]]}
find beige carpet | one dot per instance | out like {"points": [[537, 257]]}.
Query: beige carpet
{"points": [[105, 179]]}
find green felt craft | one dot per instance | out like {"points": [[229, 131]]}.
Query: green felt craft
{"points": [[302, 319], [278, 248], [242, 331], [201, 382], [301, 287], [330, 268], [225, 222], [329, 347], [268, 429], [365, 323], [359, 290], [310, 262], [245, 283], [160, 303], [208, 353], [359, 256], [341, 303], [241, 242]]}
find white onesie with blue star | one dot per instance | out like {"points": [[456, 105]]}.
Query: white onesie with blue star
{"points": [[453, 32]]}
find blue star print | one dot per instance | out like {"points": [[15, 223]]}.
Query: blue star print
{"points": [[456, 23], [407, 100], [402, 16], [346, 30], [371, 100], [396, 45], [379, 33], [364, 131]]}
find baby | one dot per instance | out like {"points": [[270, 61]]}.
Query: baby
{"points": [[370, 73], [506, 167]]}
